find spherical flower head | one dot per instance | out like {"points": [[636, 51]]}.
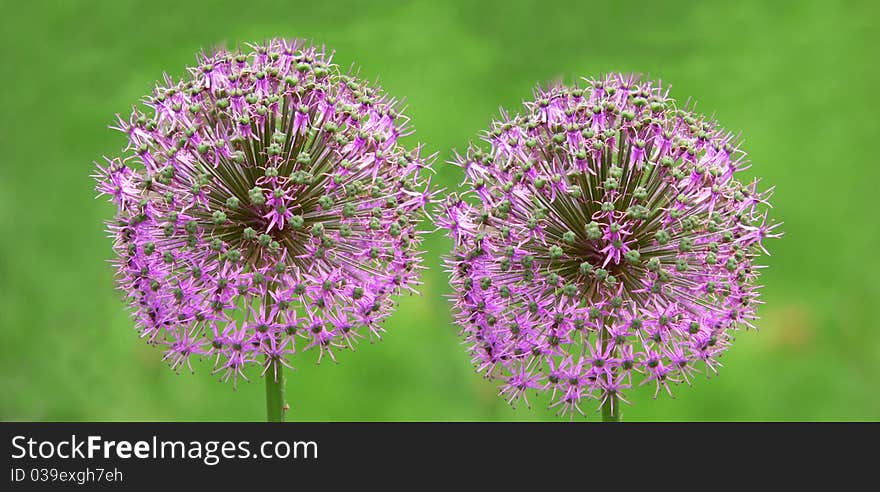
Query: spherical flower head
{"points": [[606, 242], [265, 205]]}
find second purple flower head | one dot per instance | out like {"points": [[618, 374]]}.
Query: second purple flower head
{"points": [[607, 241]]}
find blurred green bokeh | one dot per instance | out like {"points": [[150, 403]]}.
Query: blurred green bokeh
{"points": [[797, 78]]}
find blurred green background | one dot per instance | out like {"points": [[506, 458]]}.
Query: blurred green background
{"points": [[797, 78]]}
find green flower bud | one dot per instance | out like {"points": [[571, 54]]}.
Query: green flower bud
{"points": [[256, 196], [662, 237], [326, 202], [586, 268], [219, 217], [233, 255], [593, 231], [632, 256], [681, 265]]}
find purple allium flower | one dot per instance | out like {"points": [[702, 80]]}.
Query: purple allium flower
{"points": [[607, 243], [264, 205]]}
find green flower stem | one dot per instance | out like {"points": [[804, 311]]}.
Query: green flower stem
{"points": [[275, 404], [607, 414], [611, 407]]}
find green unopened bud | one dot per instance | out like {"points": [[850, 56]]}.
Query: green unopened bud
{"points": [[149, 248], [640, 193], [219, 217], [256, 196], [662, 237], [568, 237], [731, 264], [615, 172], [233, 255], [632, 256], [555, 252], [325, 202], [685, 244], [593, 231], [264, 240], [586, 268], [297, 221]]}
